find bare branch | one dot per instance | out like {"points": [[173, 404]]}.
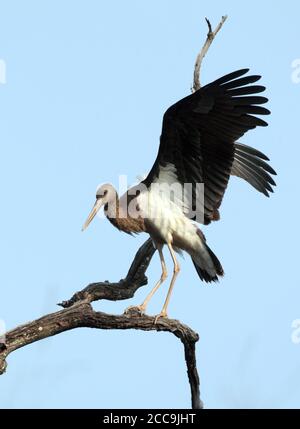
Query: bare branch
{"points": [[125, 288], [82, 315], [209, 39], [78, 312]]}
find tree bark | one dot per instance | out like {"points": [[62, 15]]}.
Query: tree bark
{"points": [[78, 313]]}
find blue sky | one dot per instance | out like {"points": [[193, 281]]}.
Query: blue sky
{"points": [[86, 87]]}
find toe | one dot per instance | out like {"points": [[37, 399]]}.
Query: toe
{"points": [[162, 314], [135, 309]]}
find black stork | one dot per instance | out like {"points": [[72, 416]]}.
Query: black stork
{"points": [[198, 146]]}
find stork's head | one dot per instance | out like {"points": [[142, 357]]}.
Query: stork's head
{"points": [[105, 195]]}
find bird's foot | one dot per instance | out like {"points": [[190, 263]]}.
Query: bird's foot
{"points": [[140, 309], [163, 314]]}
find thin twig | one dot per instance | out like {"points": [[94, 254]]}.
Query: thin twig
{"points": [[209, 39]]}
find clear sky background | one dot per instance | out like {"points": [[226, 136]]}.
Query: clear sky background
{"points": [[87, 83]]}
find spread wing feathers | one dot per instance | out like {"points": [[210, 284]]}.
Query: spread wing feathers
{"points": [[251, 165], [198, 136]]}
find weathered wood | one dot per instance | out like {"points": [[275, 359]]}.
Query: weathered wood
{"points": [[78, 313], [209, 39]]}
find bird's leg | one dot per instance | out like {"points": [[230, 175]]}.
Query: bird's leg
{"points": [[163, 312], [142, 307], [163, 277]]}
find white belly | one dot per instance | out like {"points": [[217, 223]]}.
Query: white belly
{"points": [[168, 218]]}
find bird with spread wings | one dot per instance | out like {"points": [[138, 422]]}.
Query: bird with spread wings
{"points": [[198, 147]]}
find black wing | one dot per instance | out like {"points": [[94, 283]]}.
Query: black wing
{"points": [[198, 135], [250, 164]]}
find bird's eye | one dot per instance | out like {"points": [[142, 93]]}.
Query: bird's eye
{"points": [[101, 194]]}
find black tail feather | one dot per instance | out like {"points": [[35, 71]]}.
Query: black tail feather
{"points": [[203, 274]]}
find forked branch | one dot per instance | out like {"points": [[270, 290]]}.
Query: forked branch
{"points": [[209, 39]]}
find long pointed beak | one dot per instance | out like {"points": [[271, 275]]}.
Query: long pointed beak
{"points": [[93, 213]]}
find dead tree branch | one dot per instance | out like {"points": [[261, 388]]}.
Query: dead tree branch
{"points": [[209, 39], [82, 315], [79, 313], [125, 288]]}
